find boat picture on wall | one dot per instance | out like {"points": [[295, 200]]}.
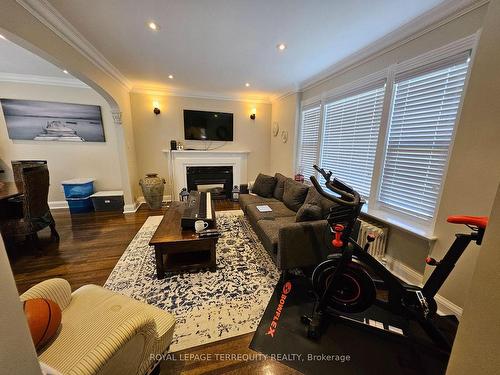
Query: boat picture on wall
{"points": [[52, 121]]}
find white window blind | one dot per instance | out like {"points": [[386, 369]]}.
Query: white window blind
{"points": [[424, 112], [350, 137], [309, 141]]}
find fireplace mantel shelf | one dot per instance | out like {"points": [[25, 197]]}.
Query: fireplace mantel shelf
{"points": [[207, 151]]}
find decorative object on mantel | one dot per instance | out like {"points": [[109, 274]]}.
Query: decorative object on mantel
{"points": [[152, 189], [235, 193], [276, 128], [284, 136], [173, 144], [184, 195]]}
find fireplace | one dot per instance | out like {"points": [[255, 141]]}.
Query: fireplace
{"points": [[218, 180]]}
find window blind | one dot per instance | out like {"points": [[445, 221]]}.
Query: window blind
{"points": [[309, 141], [424, 112], [350, 137]]}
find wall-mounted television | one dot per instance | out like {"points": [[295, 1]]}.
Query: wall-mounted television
{"points": [[208, 126]]}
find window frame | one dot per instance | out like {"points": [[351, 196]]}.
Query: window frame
{"points": [[422, 227], [304, 108]]}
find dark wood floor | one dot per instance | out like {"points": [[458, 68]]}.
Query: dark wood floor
{"points": [[90, 247]]}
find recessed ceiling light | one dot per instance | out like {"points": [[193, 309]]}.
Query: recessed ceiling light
{"points": [[170, 76], [153, 26], [247, 84], [2, 37], [65, 71], [281, 46]]}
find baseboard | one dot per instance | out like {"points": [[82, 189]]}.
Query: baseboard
{"points": [[56, 205], [409, 275], [131, 208], [141, 200], [127, 209]]}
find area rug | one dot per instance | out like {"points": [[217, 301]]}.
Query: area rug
{"points": [[208, 306]]}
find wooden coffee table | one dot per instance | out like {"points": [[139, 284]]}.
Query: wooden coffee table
{"points": [[182, 249]]}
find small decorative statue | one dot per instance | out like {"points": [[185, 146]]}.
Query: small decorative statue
{"points": [[183, 195], [299, 176], [152, 189], [235, 193]]}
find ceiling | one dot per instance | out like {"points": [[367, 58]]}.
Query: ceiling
{"points": [[214, 47], [17, 60]]}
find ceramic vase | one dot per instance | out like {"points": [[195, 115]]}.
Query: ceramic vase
{"points": [[152, 189]]}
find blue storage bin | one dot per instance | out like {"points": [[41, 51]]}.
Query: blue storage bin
{"points": [[80, 205], [78, 187]]}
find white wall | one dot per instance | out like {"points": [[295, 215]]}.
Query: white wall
{"points": [[285, 113], [474, 168], [17, 353], [65, 160], [475, 350], [153, 133]]}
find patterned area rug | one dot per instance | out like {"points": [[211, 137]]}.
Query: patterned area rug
{"points": [[208, 306]]}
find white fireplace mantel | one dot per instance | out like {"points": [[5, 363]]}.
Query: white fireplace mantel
{"points": [[180, 160]]}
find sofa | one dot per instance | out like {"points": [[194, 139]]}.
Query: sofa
{"points": [[291, 239], [102, 332]]}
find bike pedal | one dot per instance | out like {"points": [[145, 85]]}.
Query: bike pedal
{"points": [[305, 319]]}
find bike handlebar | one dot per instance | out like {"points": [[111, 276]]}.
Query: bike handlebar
{"points": [[346, 198]]}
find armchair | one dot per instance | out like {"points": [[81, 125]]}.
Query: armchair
{"points": [[103, 332]]}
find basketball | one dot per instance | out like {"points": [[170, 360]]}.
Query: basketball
{"points": [[44, 318]]}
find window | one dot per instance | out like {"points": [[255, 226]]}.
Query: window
{"points": [[424, 111], [309, 141], [389, 134], [350, 137]]}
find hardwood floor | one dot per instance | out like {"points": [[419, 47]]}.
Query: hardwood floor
{"points": [[87, 252]]}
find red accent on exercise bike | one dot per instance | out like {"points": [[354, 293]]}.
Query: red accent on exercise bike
{"points": [[476, 221], [431, 261], [337, 241]]}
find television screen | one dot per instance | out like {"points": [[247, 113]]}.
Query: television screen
{"points": [[208, 126]]}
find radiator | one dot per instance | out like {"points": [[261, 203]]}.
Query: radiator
{"points": [[377, 247]]}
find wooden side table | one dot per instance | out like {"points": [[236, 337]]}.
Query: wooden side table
{"points": [[182, 249]]}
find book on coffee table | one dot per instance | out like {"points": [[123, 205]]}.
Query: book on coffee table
{"points": [[264, 208]]}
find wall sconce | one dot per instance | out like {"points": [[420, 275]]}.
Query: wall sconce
{"points": [[252, 114], [156, 107]]}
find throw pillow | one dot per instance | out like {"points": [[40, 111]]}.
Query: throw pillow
{"points": [[316, 198], [294, 194], [280, 186], [264, 185], [308, 212]]}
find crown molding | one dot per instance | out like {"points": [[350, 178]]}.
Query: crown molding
{"points": [[41, 80], [197, 95], [425, 23], [50, 17], [285, 94]]}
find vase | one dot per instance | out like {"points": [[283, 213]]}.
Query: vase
{"points": [[152, 189]]}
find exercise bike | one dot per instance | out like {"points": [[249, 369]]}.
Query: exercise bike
{"points": [[348, 281]]}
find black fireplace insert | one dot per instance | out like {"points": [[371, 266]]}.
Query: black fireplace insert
{"points": [[218, 180]]}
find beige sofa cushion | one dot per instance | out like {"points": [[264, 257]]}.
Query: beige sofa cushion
{"points": [[97, 323]]}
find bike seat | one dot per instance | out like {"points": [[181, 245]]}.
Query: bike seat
{"points": [[476, 221]]}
